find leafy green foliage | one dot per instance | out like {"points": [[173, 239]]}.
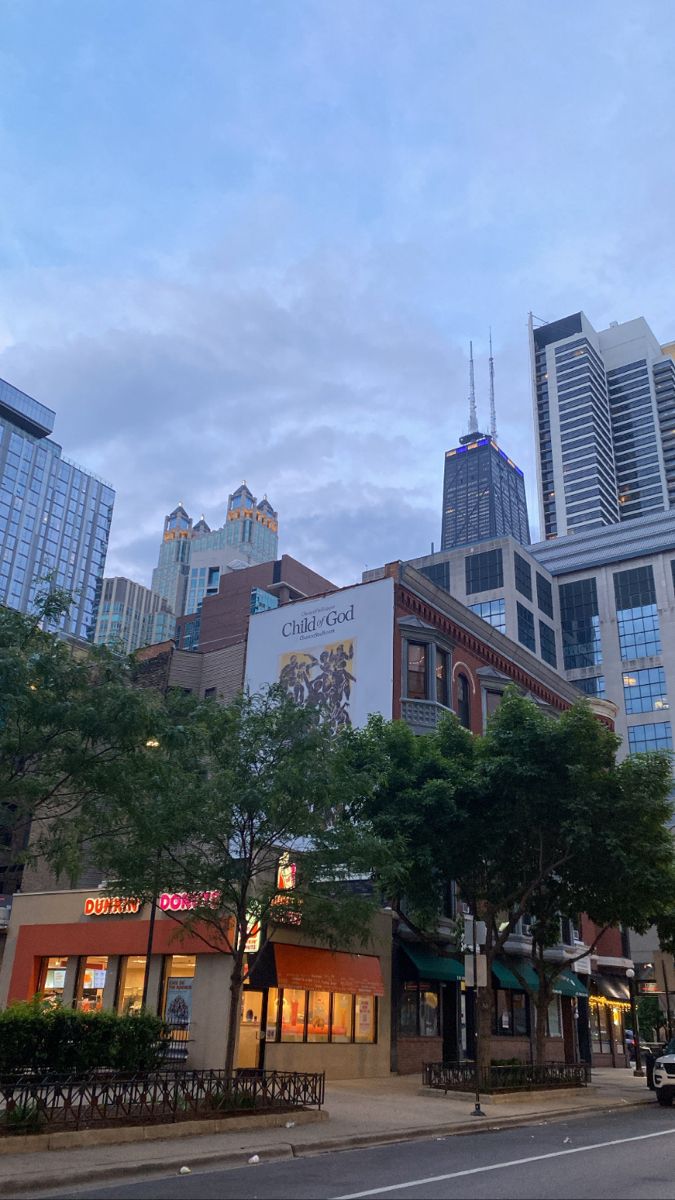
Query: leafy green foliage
{"points": [[71, 730], [40, 1037]]}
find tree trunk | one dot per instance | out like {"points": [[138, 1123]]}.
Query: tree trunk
{"points": [[484, 1019], [543, 1001], [236, 984]]}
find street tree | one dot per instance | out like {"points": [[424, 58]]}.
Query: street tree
{"points": [[536, 819], [71, 727], [252, 811]]}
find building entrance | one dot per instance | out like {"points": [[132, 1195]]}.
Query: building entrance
{"points": [[248, 1052]]}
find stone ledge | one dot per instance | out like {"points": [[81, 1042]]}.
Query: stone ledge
{"points": [[510, 1097], [73, 1139]]}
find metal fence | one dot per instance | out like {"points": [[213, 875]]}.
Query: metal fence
{"points": [[47, 1103], [516, 1077]]}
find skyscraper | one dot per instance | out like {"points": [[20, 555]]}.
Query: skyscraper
{"points": [[483, 489], [192, 558], [604, 407], [54, 516], [131, 616]]}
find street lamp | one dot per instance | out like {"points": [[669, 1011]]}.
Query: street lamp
{"points": [[152, 744], [630, 975]]}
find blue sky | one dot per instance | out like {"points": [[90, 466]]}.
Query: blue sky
{"points": [[252, 240]]}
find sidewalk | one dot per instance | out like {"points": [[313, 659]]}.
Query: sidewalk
{"points": [[361, 1112]]}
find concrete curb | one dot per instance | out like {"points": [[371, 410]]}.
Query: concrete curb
{"points": [[81, 1139], [109, 1173]]}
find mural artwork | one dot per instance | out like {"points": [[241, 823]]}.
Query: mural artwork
{"points": [[324, 679]]}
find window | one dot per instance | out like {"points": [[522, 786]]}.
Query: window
{"points": [[637, 615], [179, 974], [463, 701], [438, 573], [419, 1010], [484, 571], [523, 574], [593, 685], [547, 644], [511, 1011], [417, 671], [294, 1015], [53, 978], [544, 595], [91, 982], [525, 627], [554, 1021], [492, 611], [492, 702], [209, 693], [293, 1008], [656, 736], [130, 987], [645, 690], [318, 1020], [343, 1017], [366, 1019], [441, 677], [580, 622]]}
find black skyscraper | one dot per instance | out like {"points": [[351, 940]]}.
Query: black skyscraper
{"points": [[483, 489]]}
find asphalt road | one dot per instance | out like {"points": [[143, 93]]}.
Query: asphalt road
{"points": [[624, 1154]]}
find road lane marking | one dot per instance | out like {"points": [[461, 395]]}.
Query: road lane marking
{"points": [[514, 1162]]}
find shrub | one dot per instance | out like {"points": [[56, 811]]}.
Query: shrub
{"points": [[39, 1037]]}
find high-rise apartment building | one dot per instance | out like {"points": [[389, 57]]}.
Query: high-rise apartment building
{"points": [[131, 616], [604, 410], [54, 516], [483, 489]]}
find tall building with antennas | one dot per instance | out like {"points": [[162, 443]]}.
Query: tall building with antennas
{"points": [[483, 489]]}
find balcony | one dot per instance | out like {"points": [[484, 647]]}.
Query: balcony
{"points": [[422, 715]]}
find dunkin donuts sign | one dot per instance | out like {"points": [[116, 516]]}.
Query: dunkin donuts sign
{"points": [[118, 906]]}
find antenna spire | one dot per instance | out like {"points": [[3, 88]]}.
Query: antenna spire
{"points": [[493, 411], [473, 419]]}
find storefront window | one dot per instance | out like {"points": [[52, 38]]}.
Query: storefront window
{"points": [[365, 1018], [520, 1014], [272, 1030], [554, 1023], [343, 1017], [429, 1014], [407, 1015], [511, 1013], [132, 976], [293, 1015], [330, 1016], [617, 1029], [318, 1017], [53, 978], [178, 983], [91, 982]]}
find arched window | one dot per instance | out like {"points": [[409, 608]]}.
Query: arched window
{"points": [[463, 701]]}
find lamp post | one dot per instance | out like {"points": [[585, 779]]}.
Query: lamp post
{"points": [[152, 744], [630, 975]]}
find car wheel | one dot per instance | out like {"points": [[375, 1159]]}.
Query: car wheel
{"points": [[664, 1101]]}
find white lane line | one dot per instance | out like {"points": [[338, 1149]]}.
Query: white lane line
{"points": [[514, 1162]]}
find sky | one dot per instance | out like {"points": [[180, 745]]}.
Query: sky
{"points": [[253, 240]]}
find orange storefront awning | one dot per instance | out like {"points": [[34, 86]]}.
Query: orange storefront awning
{"points": [[327, 970]]}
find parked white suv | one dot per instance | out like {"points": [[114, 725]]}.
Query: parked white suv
{"points": [[664, 1076]]}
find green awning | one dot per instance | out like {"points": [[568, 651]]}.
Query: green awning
{"points": [[435, 966], [518, 975], [568, 983], [507, 978]]}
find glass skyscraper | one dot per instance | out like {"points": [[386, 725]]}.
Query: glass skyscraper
{"points": [[54, 516], [604, 407]]}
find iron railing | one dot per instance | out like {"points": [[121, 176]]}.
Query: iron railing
{"points": [[35, 1103], [516, 1077]]}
